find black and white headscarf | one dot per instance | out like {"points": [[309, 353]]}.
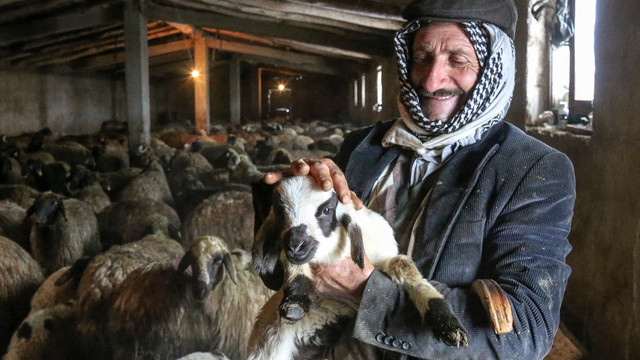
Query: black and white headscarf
{"points": [[489, 99]]}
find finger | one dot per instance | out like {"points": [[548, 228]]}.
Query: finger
{"points": [[340, 184], [273, 177], [321, 172], [299, 167], [357, 203]]}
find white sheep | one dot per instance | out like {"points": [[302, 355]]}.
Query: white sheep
{"points": [[307, 225]]}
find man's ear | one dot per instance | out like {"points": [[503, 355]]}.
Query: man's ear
{"points": [[267, 248], [355, 234]]}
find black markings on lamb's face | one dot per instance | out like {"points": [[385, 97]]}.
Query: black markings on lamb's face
{"points": [[326, 215], [299, 247]]}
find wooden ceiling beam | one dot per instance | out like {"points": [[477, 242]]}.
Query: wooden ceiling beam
{"points": [[309, 63], [377, 46], [307, 12], [98, 16]]}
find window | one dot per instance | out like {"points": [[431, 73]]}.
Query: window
{"points": [[561, 63], [363, 91], [573, 65], [354, 84], [378, 106]]}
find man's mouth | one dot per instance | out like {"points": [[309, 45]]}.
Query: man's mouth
{"points": [[442, 94]]}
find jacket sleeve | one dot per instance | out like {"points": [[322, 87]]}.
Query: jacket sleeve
{"points": [[524, 250]]}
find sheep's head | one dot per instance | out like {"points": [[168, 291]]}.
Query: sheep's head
{"points": [[206, 256], [46, 208], [306, 224]]}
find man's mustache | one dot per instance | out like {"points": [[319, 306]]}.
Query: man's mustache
{"points": [[440, 93]]}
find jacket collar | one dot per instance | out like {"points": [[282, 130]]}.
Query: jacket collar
{"points": [[455, 182]]}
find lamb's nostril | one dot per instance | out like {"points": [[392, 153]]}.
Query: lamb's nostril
{"points": [[295, 238]]}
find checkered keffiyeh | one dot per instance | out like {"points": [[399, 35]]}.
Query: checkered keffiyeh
{"points": [[494, 87]]}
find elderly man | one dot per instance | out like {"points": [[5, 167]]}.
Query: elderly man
{"points": [[470, 196]]}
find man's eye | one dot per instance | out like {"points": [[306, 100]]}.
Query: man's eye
{"points": [[422, 59], [458, 61]]}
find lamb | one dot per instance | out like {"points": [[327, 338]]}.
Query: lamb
{"points": [[202, 312], [62, 231], [20, 277], [307, 225]]}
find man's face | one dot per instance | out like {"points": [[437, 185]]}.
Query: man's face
{"points": [[444, 69]]}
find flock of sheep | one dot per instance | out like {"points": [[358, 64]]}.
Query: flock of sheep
{"points": [[112, 254]]}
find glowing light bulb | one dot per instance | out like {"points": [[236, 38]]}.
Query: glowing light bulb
{"points": [[195, 73], [281, 87]]}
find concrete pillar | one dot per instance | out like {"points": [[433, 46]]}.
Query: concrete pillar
{"points": [[137, 76]]}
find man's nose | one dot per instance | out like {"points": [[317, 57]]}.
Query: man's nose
{"points": [[436, 76]]}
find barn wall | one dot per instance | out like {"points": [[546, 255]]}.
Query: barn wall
{"points": [[66, 104], [602, 299]]}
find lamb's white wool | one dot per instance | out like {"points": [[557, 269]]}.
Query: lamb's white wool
{"points": [[309, 226]]}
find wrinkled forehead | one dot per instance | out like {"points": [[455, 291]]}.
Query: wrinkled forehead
{"points": [[433, 34]]}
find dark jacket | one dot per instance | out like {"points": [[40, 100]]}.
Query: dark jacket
{"points": [[500, 209]]}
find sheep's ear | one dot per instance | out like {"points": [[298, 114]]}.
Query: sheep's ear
{"points": [[61, 208], [266, 253], [355, 234], [74, 272], [185, 262], [231, 270]]}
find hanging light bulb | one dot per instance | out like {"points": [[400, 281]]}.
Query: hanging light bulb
{"points": [[195, 73], [281, 87]]}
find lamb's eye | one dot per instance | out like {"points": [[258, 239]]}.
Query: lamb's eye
{"points": [[327, 211]]}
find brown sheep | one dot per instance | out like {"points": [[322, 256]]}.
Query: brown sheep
{"points": [[227, 214], [130, 220], [201, 312], [62, 231], [21, 275]]}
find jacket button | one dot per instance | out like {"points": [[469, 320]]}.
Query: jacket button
{"points": [[406, 345], [388, 340], [396, 343], [380, 337]]}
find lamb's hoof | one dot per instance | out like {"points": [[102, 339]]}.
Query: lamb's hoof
{"points": [[291, 312], [445, 325]]}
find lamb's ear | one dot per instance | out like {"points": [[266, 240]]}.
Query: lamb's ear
{"points": [[266, 252], [355, 234]]}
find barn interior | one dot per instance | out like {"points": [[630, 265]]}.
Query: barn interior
{"points": [[118, 76]]}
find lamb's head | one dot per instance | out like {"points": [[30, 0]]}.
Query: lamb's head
{"points": [[307, 224], [206, 256]]}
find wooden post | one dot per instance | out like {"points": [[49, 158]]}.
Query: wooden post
{"points": [[137, 76], [234, 90], [201, 83]]}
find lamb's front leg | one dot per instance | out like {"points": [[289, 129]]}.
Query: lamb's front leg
{"points": [[298, 294], [433, 308]]}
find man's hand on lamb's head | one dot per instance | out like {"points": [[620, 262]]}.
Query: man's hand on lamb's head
{"points": [[325, 172]]}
